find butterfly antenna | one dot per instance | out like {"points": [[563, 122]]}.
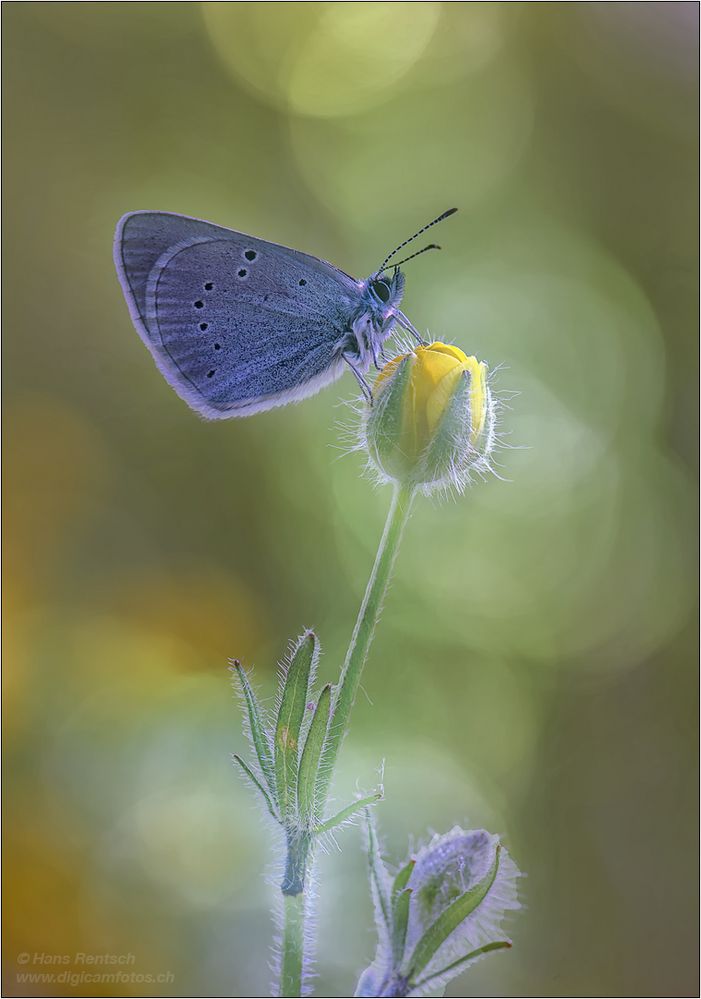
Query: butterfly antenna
{"points": [[445, 215], [431, 246]]}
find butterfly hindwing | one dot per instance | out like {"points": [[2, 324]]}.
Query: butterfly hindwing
{"points": [[236, 324], [143, 237], [242, 340]]}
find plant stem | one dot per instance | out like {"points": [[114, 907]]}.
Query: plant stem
{"points": [[292, 946], [365, 628], [298, 847]]}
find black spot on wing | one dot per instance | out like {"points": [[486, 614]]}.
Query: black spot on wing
{"points": [[269, 337], [142, 237]]}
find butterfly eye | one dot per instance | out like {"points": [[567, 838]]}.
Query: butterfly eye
{"points": [[381, 290]]}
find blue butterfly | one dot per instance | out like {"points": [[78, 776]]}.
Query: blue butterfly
{"points": [[238, 325]]}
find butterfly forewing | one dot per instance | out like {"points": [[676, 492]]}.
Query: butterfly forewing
{"points": [[236, 324]]}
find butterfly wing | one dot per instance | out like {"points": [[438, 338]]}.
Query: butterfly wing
{"points": [[235, 324]]}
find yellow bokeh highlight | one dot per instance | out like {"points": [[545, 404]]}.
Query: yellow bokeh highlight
{"points": [[321, 59]]}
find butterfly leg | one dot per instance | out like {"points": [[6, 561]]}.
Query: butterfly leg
{"points": [[409, 327], [365, 388], [377, 354]]}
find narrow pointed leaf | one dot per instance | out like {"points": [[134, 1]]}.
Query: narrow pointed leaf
{"points": [[259, 734], [293, 701], [311, 754], [401, 879], [451, 918], [462, 963], [349, 812], [379, 885], [400, 920], [257, 784]]}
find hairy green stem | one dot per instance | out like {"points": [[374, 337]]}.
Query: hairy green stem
{"points": [[292, 946], [365, 628], [298, 846]]}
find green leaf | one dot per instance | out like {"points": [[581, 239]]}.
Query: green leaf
{"points": [[293, 702], [379, 884], [349, 812], [401, 879], [257, 784], [400, 921], [457, 966], [311, 754], [450, 919], [259, 734]]}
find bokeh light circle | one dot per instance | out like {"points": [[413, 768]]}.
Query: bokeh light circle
{"points": [[322, 59]]}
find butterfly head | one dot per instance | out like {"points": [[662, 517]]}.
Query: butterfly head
{"points": [[385, 291], [381, 298]]}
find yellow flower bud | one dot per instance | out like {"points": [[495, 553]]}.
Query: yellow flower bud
{"points": [[432, 421]]}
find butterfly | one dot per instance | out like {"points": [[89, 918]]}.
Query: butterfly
{"points": [[238, 325]]}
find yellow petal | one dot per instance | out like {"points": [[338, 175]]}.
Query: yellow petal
{"points": [[440, 397], [388, 370], [449, 349], [478, 395]]}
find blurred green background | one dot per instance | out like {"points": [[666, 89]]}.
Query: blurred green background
{"points": [[535, 668]]}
